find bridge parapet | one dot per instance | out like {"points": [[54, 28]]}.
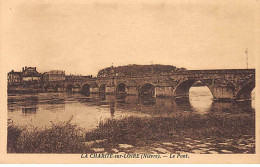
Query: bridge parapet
{"points": [[218, 71]]}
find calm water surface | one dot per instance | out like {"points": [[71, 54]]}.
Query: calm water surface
{"points": [[40, 110]]}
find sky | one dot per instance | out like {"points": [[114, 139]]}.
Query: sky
{"points": [[84, 38]]}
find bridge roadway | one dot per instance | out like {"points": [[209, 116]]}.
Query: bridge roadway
{"points": [[224, 84]]}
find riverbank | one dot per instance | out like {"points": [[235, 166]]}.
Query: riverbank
{"points": [[191, 133]]}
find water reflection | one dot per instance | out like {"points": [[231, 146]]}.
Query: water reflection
{"points": [[31, 110], [162, 106], [87, 111], [253, 98], [112, 108]]}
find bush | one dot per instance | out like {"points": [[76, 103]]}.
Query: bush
{"points": [[60, 138], [13, 133]]}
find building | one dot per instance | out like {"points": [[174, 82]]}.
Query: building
{"points": [[14, 78], [30, 74], [54, 75]]}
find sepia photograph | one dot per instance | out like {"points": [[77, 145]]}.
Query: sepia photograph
{"points": [[129, 80]]}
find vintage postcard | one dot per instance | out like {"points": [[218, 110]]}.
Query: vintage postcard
{"points": [[136, 81]]}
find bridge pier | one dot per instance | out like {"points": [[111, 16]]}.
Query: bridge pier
{"points": [[49, 89], [59, 89], [110, 90], [164, 91], [93, 89], [75, 89], [222, 93], [132, 90]]}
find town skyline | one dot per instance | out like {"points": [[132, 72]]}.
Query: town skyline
{"points": [[112, 65]]}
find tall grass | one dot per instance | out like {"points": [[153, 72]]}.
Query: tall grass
{"points": [[59, 138], [134, 130]]}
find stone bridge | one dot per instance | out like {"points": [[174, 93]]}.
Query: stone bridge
{"points": [[226, 84]]}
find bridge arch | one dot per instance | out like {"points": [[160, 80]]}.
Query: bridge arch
{"points": [[77, 85], [147, 89], [69, 88], [244, 93], [183, 88], [57, 87], [85, 89], [48, 88], [102, 88], [121, 88]]}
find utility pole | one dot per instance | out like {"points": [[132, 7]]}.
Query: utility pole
{"points": [[246, 52]]}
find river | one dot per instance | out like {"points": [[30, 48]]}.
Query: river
{"points": [[43, 109]]}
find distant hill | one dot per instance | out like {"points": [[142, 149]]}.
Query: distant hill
{"points": [[135, 69]]}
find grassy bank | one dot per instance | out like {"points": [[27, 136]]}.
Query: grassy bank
{"points": [[138, 131], [59, 138], [67, 138]]}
